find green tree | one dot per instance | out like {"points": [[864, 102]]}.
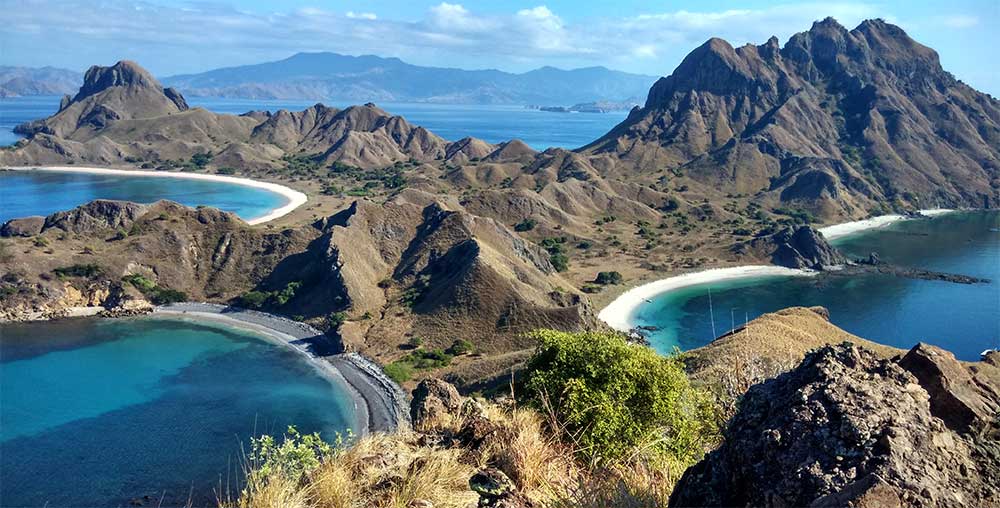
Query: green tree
{"points": [[614, 396]]}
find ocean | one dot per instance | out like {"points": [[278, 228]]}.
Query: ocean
{"points": [[493, 123]]}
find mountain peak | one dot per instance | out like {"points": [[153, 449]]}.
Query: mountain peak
{"points": [[123, 73]]}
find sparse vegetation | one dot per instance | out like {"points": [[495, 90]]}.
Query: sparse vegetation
{"points": [[154, 293], [605, 278], [525, 225], [87, 271]]}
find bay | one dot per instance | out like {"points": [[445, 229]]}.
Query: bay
{"points": [[964, 319], [103, 411]]}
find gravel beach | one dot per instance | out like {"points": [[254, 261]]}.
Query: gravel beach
{"points": [[380, 404]]}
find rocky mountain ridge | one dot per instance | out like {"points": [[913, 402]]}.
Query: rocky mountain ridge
{"points": [[836, 121]]}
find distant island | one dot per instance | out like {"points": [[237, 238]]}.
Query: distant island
{"points": [[590, 107], [19, 81], [336, 77]]}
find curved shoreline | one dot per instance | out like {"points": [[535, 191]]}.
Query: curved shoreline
{"points": [[379, 403], [294, 198], [619, 313], [849, 228]]}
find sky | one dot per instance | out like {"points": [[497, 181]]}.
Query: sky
{"points": [[647, 37]]}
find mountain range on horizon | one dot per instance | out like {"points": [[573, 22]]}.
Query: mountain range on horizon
{"points": [[325, 76]]}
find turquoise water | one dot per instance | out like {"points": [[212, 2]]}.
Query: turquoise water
{"points": [[25, 193], [98, 412], [964, 319], [538, 129]]}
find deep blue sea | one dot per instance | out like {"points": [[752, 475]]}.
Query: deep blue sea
{"points": [[539, 129], [964, 319], [99, 412]]}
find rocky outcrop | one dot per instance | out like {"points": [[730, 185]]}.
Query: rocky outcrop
{"points": [[433, 399], [835, 121], [848, 428], [27, 226], [799, 247]]}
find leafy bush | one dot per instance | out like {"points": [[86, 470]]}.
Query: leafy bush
{"points": [[159, 295], [402, 370], [226, 170], [201, 159], [88, 271], [254, 299], [399, 372], [525, 225], [296, 456], [461, 347], [559, 261], [334, 320], [608, 278], [614, 396]]}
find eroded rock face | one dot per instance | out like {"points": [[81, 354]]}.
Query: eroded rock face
{"points": [[27, 226], [801, 247], [847, 428]]}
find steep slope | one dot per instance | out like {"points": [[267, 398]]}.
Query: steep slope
{"points": [[330, 76], [836, 121]]}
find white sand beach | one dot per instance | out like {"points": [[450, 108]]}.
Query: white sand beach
{"points": [[294, 198], [618, 314], [849, 228]]}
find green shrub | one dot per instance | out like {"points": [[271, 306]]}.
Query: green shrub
{"points": [[139, 281], [559, 261], [525, 225], [88, 271], [296, 456], [606, 278], [201, 159], [334, 320], [226, 170], [399, 372], [461, 347], [614, 396], [254, 299]]}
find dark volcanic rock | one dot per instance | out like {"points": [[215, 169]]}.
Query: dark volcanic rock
{"points": [[801, 247], [846, 428]]}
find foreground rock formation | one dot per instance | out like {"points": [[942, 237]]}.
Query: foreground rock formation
{"points": [[849, 428]]}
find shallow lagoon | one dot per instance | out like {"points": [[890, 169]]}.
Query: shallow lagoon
{"points": [[103, 411]]}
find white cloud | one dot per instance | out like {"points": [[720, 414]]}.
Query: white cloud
{"points": [[174, 40], [361, 15], [960, 21]]}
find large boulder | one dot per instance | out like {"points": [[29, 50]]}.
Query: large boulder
{"points": [[847, 428], [433, 400]]}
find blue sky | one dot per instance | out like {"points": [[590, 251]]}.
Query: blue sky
{"points": [[648, 37]]}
